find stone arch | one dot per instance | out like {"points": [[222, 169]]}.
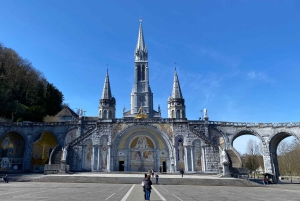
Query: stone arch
{"points": [[177, 114], [103, 152], [245, 132], [42, 145], [70, 136], [219, 138], [104, 114], [161, 150], [133, 141], [273, 143], [12, 150]]}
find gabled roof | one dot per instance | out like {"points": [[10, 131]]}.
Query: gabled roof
{"points": [[67, 112]]}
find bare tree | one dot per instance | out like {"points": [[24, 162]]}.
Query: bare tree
{"points": [[253, 157]]}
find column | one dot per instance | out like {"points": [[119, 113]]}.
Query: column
{"points": [[93, 159], [98, 162], [175, 158], [108, 157], [203, 159], [185, 160], [192, 158]]}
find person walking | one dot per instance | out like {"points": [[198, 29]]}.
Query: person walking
{"points": [[148, 184], [181, 172], [263, 180], [143, 185], [5, 179], [152, 173], [156, 177], [160, 169]]}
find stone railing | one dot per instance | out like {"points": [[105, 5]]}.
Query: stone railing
{"points": [[43, 123], [261, 125], [150, 120]]}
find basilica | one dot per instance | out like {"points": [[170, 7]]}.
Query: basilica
{"points": [[138, 141], [142, 139]]}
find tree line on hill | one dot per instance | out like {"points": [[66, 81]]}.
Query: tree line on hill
{"points": [[288, 156], [25, 94]]}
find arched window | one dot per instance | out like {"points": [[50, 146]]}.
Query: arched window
{"points": [[100, 113], [143, 72], [139, 72], [177, 114], [104, 114], [172, 115], [110, 115]]}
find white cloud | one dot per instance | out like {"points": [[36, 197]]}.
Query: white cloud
{"points": [[253, 75]]}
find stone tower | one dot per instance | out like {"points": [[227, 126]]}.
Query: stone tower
{"points": [[176, 107], [141, 94], [107, 106]]}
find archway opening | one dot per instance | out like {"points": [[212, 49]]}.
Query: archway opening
{"points": [[285, 152], [43, 145], [11, 152], [248, 150]]}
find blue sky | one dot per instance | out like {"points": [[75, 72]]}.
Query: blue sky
{"points": [[238, 59]]}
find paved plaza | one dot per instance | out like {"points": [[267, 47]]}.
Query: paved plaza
{"points": [[34, 191]]}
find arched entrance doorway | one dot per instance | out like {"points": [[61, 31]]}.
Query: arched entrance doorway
{"points": [[43, 145], [11, 151], [142, 153], [141, 148]]}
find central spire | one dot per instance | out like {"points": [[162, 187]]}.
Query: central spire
{"points": [[106, 93], [141, 53]]}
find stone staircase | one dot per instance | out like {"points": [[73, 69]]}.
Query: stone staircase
{"points": [[234, 158], [236, 167], [137, 180]]}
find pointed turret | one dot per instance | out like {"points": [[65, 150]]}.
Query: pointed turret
{"points": [[107, 107], [106, 93], [141, 53], [176, 91], [176, 107]]}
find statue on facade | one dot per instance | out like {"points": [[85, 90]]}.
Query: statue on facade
{"points": [[80, 112], [205, 112], [142, 143], [224, 158], [64, 153]]}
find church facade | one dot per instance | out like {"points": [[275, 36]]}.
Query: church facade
{"points": [[141, 139]]}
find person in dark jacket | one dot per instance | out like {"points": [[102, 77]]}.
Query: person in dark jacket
{"points": [[156, 176], [148, 184], [181, 172], [144, 186]]}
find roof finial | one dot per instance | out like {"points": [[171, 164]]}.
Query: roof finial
{"points": [[175, 65], [106, 68], [140, 20]]}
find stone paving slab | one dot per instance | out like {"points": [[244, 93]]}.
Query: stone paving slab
{"points": [[37, 191], [137, 194]]}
